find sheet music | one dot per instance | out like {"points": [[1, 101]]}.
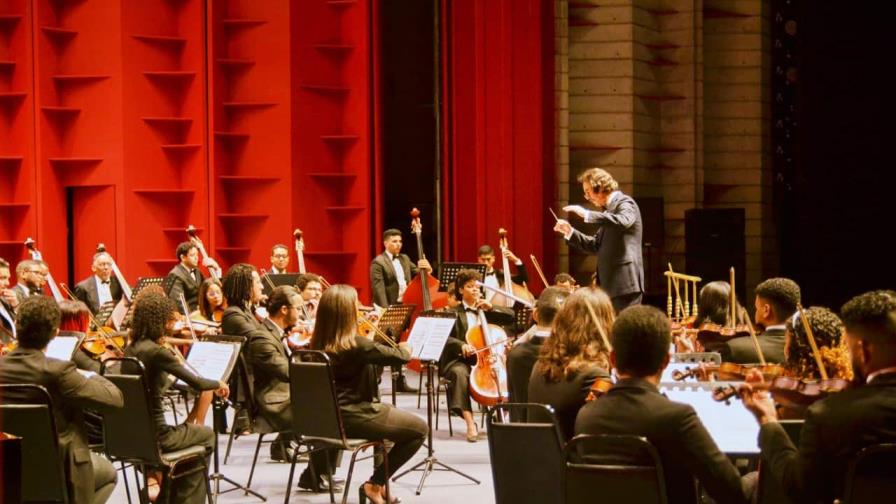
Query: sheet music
{"points": [[428, 337], [212, 361], [62, 347], [732, 427]]}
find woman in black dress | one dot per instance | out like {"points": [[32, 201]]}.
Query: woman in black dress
{"points": [[353, 360]]}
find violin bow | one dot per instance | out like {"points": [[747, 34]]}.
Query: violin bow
{"points": [[538, 269], [811, 337], [600, 330], [755, 341]]}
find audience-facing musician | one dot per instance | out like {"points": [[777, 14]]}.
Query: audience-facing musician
{"points": [[524, 353], [494, 277], [457, 356], [390, 274], [154, 319], [8, 302], [837, 427], [354, 359], [776, 300], [211, 302], [28, 274], [90, 477], [311, 288], [279, 260], [100, 288], [186, 277], [641, 337], [573, 357], [566, 282]]}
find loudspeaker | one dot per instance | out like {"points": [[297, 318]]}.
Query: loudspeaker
{"points": [[714, 242]]}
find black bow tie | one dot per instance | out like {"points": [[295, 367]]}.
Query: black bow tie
{"points": [[106, 282], [471, 310]]}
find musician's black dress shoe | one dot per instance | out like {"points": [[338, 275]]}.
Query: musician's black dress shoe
{"points": [[401, 385], [323, 484], [280, 452]]}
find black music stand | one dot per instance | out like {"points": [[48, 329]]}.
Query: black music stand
{"points": [[105, 311], [431, 463], [278, 279], [522, 316], [218, 406], [448, 272], [142, 283], [392, 323]]}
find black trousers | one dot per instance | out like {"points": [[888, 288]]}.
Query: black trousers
{"points": [[190, 488], [624, 301], [458, 376], [377, 421]]}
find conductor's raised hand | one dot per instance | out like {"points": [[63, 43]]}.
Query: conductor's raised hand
{"points": [[576, 209], [563, 227]]}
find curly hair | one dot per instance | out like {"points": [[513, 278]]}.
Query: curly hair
{"points": [[599, 180], [464, 277], [575, 340], [237, 285], [153, 310], [37, 320], [874, 314], [714, 305], [828, 332], [304, 279], [783, 294]]}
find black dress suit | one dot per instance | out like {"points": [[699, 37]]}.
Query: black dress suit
{"points": [[180, 280], [836, 428], [22, 292], [383, 281], [636, 407], [566, 396], [238, 321], [86, 291], [70, 393], [741, 350], [617, 242], [520, 361], [270, 371]]}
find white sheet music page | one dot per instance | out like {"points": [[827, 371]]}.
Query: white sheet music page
{"points": [[428, 337], [211, 360], [731, 426], [62, 347]]}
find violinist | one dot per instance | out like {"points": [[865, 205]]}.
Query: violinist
{"points": [[354, 359], [574, 356], [100, 288], [495, 277], [30, 278], [211, 303], [75, 321], [776, 301], [90, 478], [714, 310], [154, 318], [310, 288], [524, 353], [641, 336], [838, 426], [186, 277], [8, 302], [279, 259], [458, 355], [566, 282]]}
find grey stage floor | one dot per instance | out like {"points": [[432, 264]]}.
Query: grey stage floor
{"points": [[270, 478]]}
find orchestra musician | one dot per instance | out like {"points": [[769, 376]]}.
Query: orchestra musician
{"points": [[524, 353], [457, 356], [8, 302], [153, 320], [354, 360], [565, 281], [390, 274], [776, 301], [279, 259], [574, 356], [90, 477], [617, 242], [211, 302], [715, 306], [28, 274], [310, 288], [185, 278], [100, 288], [837, 427], [495, 277], [641, 336]]}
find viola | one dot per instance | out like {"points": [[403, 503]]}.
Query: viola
{"points": [[488, 377], [711, 332], [789, 391]]}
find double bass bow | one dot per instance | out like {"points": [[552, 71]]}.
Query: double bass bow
{"points": [[36, 256]]}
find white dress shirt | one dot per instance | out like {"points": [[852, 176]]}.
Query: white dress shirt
{"points": [[103, 290], [399, 275]]}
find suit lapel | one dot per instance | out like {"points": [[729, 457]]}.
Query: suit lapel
{"points": [[387, 265], [92, 294]]}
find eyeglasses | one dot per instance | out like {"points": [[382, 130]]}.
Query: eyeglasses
{"points": [[281, 256]]}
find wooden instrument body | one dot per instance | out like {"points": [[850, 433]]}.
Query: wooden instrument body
{"points": [[423, 290], [488, 377], [520, 291]]}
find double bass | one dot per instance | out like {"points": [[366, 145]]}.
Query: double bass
{"points": [[300, 254], [213, 270], [36, 256], [423, 290], [121, 309], [520, 291]]}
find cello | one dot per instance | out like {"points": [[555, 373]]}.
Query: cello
{"points": [[36, 256], [516, 289], [121, 309], [488, 377]]}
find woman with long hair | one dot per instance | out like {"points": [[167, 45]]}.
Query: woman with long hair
{"points": [[353, 359], [715, 307], [574, 356]]}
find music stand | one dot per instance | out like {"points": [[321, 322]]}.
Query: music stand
{"points": [[522, 316], [431, 463], [448, 272], [219, 405], [392, 323], [142, 283], [103, 314], [279, 279]]}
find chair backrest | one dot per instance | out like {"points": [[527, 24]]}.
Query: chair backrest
{"points": [[312, 394], [130, 432], [872, 475], [618, 468], [526, 457], [27, 412]]}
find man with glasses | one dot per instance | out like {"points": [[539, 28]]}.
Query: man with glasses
{"points": [[279, 259], [30, 280]]}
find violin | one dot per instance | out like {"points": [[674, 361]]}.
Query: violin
{"points": [[488, 377], [727, 371], [520, 291], [711, 332], [598, 389], [104, 339], [36, 256], [368, 329], [789, 391]]}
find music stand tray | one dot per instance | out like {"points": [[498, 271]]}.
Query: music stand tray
{"points": [[142, 283], [448, 272], [395, 319], [105, 311], [279, 279]]}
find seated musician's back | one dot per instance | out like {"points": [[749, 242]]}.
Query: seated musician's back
{"points": [[641, 337], [838, 427]]}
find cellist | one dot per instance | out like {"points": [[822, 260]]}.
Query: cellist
{"points": [[454, 364]]}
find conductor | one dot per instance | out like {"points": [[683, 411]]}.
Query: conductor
{"points": [[617, 242]]}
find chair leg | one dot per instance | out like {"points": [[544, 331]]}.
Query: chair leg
{"points": [[292, 472], [124, 476], [254, 461], [450, 428], [232, 435], [208, 484], [348, 477]]}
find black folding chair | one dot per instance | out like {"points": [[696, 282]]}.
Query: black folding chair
{"points": [[131, 434], [872, 475], [621, 468], [526, 457], [27, 412], [316, 418]]}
